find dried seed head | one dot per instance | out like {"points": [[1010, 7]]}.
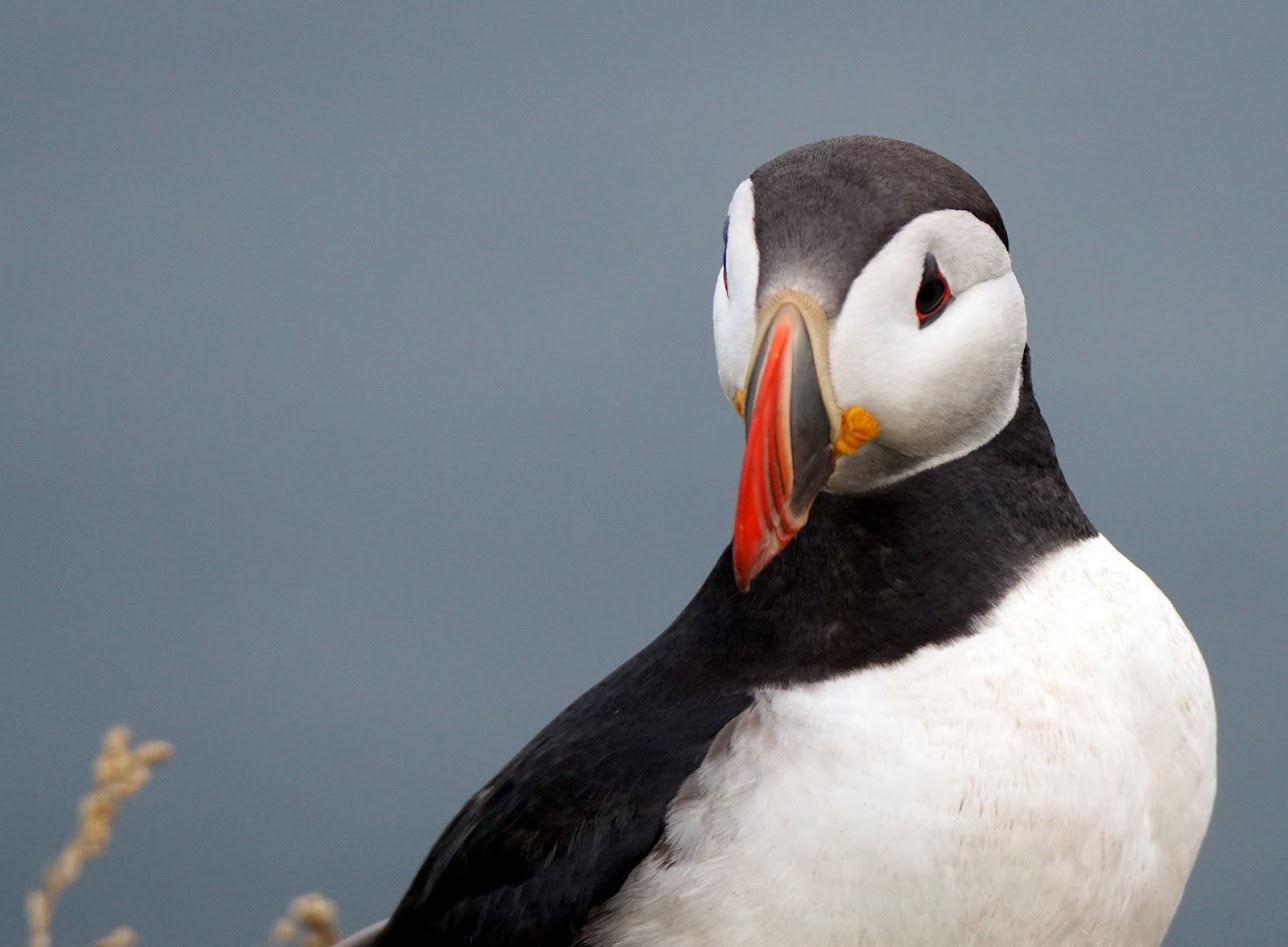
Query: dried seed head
{"points": [[121, 937], [284, 930], [153, 752], [119, 773]]}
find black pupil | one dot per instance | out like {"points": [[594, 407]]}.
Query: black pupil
{"points": [[933, 288], [930, 295]]}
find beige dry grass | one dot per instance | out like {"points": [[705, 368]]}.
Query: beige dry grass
{"points": [[310, 921], [120, 771], [121, 937]]}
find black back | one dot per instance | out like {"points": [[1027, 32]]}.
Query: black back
{"points": [[869, 580]]}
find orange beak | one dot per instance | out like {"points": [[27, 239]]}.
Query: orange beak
{"points": [[790, 431]]}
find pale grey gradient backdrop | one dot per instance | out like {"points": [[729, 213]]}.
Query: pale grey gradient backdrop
{"points": [[359, 407]]}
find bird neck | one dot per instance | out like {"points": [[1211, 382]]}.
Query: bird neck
{"points": [[871, 578]]}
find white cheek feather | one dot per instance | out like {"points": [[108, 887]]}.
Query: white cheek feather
{"points": [[734, 315], [945, 389]]}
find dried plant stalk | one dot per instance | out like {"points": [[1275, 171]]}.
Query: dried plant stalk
{"points": [[311, 919], [121, 937], [120, 771]]}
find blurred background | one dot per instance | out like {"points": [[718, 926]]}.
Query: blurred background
{"points": [[359, 407]]}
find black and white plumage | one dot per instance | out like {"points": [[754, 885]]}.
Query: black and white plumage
{"points": [[942, 711]]}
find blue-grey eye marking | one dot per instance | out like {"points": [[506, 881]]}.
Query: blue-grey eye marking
{"points": [[724, 259]]}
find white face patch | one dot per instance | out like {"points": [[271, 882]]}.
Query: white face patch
{"points": [[734, 312], [938, 390], [941, 390]]}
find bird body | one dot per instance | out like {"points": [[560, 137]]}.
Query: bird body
{"points": [[1040, 781], [920, 700]]}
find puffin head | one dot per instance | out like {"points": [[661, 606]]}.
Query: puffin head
{"points": [[868, 326]]}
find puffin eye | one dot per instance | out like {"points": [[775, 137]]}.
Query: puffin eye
{"points": [[934, 293]]}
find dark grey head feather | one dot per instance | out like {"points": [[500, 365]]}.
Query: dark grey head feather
{"points": [[832, 205]]}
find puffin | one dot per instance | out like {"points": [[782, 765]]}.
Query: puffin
{"points": [[919, 699]]}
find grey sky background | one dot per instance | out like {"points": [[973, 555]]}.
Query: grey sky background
{"points": [[359, 409]]}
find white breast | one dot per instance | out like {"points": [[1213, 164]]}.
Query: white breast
{"points": [[1047, 780]]}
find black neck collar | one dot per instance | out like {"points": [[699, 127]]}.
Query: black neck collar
{"points": [[872, 578]]}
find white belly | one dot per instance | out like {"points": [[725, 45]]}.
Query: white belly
{"points": [[1047, 780]]}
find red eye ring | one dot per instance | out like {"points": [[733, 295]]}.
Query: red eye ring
{"points": [[933, 295]]}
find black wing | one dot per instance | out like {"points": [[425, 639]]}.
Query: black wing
{"points": [[870, 581], [557, 831]]}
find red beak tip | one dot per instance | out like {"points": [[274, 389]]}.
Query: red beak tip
{"points": [[747, 567]]}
